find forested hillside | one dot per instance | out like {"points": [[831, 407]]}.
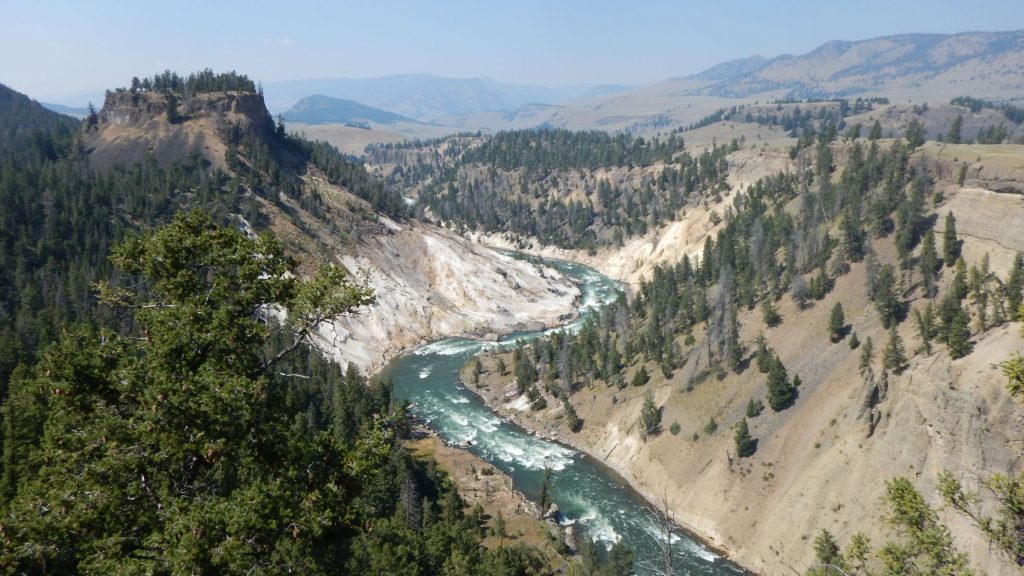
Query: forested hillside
{"points": [[62, 215], [155, 416], [568, 189], [22, 119], [207, 441]]}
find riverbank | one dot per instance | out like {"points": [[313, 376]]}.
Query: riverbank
{"points": [[476, 481], [498, 392], [481, 484]]}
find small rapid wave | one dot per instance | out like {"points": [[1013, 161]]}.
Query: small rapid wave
{"points": [[532, 453], [600, 530], [453, 347]]}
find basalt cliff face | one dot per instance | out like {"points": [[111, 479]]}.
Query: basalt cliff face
{"points": [[134, 126]]}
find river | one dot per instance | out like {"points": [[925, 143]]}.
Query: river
{"points": [[586, 491]]}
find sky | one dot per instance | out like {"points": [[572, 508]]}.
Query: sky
{"points": [[63, 51]]}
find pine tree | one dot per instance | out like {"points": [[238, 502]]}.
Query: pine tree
{"points": [[826, 551], [781, 392], [858, 552], [867, 355], [172, 109], [733, 344], [926, 327], [477, 370], [958, 334], [745, 444], [928, 543], [710, 427], [572, 419], [764, 355], [180, 427], [770, 314], [641, 377], [836, 322], [876, 131], [929, 263], [620, 560], [950, 244], [524, 369], [893, 356], [650, 417], [960, 288], [1013, 369], [545, 492], [92, 119], [754, 408], [887, 297], [821, 284], [953, 135], [1015, 287], [853, 235], [915, 133]]}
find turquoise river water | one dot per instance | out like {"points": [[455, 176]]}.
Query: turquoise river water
{"points": [[587, 492]]}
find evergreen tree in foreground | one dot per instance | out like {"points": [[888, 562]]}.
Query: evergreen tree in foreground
{"points": [[169, 452]]}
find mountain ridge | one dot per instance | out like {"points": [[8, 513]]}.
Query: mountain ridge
{"points": [[879, 65], [20, 116], [429, 98], [320, 109]]}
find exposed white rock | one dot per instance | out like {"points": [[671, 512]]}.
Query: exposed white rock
{"points": [[430, 283]]}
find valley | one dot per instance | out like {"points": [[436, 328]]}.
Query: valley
{"points": [[763, 319], [826, 449]]}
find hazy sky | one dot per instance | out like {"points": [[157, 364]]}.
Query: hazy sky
{"points": [[58, 51]]}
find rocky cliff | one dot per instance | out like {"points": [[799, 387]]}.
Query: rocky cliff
{"points": [[132, 126]]}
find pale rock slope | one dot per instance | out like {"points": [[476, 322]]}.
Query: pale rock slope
{"points": [[430, 283]]}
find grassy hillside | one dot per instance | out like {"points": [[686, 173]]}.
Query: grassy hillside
{"points": [[923, 65]]}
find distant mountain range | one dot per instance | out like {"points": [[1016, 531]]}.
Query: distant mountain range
{"points": [[986, 63], [918, 67], [79, 112], [427, 98], [319, 109]]}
